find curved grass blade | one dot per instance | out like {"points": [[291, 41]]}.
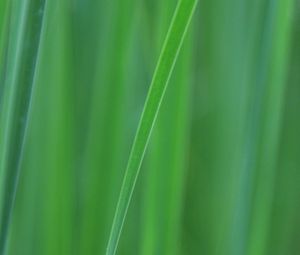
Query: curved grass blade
{"points": [[181, 19], [19, 82]]}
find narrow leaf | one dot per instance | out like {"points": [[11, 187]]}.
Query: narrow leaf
{"points": [[164, 68], [19, 81]]}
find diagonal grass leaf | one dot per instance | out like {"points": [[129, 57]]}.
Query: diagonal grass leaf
{"points": [[20, 80], [177, 30]]}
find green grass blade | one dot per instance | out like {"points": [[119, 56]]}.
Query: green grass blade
{"points": [[4, 24], [166, 62], [271, 127], [20, 80], [164, 177]]}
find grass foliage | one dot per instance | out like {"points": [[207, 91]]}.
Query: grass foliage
{"points": [[221, 174]]}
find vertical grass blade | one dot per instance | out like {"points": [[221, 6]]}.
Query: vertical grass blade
{"points": [[4, 32], [106, 137], [271, 127], [166, 62], [20, 80], [284, 226]]}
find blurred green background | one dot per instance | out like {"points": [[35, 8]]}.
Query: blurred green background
{"points": [[222, 172]]}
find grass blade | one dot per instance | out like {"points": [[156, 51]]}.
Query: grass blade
{"points": [[165, 164], [20, 80], [166, 62], [271, 127]]}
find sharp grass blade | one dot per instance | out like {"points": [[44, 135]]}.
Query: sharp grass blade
{"points": [[164, 176], [164, 68], [19, 82], [154, 182]]}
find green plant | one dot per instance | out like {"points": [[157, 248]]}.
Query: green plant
{"points": [[166, 62], [18, 87], [220, 175]]}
